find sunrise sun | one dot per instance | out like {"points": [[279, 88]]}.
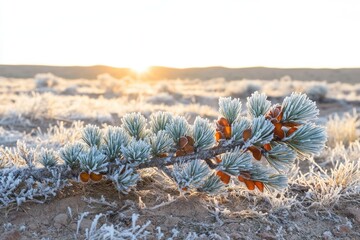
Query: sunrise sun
{"points": [[140, 68]]}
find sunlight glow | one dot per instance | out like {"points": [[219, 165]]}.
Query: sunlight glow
{"points": [[140, 68]]}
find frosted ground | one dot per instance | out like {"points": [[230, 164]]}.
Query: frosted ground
{"points": [[322, 201]]}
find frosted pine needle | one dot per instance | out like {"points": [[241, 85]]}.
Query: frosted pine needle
{"points": [[307, 140], [230, 108], [48, 158], [177, 128], [114, 139], [257, 105], [70, 154], [235, 161], [238, 127], [204, 134], [160, 143], [135, 125], [299, 108], [281, 157], [190, 174], [124, 178], [136, 152], [159, 120], [92, 136], [93, 161], [212, 184], [261, 132]]}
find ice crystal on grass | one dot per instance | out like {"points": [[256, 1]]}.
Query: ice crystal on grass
{"points": [[159, 120], [204, 134], [238, 127], [114, 139], [190, 174], [299, 108], [15, 189], [137, 152], [70, 154], [308, 139], [235, 161], [257, 105], [230, 108], [93, 161], [281, 157], [109, 232], [26, 153], [135, 125], [124, 179], [160, 142], [92, 136], [48, 158], [177, 128]]}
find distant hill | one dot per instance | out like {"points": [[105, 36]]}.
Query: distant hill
{"points": [[349, 75]]}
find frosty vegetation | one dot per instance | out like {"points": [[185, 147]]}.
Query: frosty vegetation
{"points": [[259, 151], [256, 149]]}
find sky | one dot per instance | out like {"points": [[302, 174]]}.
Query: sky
{"points": [[181, 33]]}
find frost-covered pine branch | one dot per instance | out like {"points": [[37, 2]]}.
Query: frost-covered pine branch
{"points": [[268, 177], [277, 134]]}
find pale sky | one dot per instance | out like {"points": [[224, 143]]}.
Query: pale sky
{"points": [[181, 33]]}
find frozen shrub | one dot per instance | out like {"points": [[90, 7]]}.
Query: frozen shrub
{"points": [[243, 88], [316, 91], [162, 98], [46, 80], [344, 129]]}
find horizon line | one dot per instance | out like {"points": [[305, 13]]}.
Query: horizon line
{"points": [[181, 68]]}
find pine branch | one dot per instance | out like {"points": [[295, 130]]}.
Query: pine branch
{"points": [[279, 134], [158, 162]]}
